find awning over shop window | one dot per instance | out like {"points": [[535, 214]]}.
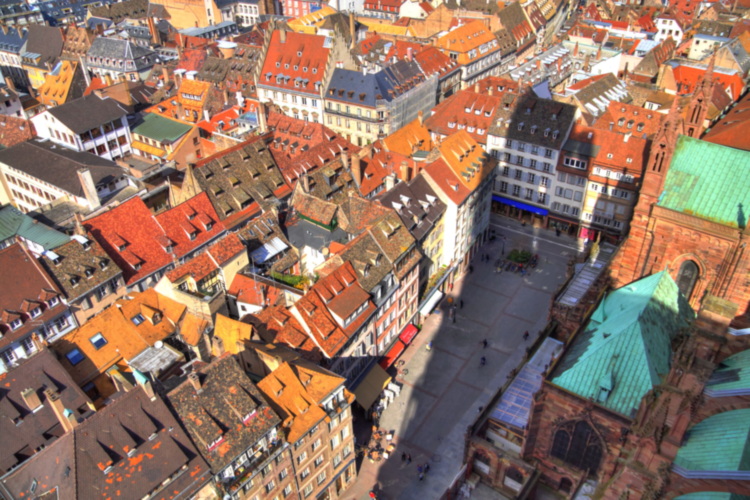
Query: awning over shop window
{"points": [[408, 334], [518, 204], [431, 302], [371, 386], [268, 250], [393, 354]]}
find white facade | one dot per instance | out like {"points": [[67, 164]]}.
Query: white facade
{"points": [[668, 27], [110, 140], [569, 193], [49, 331], [299, 105], [243, 13]]}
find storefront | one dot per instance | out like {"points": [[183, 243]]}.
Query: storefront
{"points": [[524, 212], [369, 389], [392, 355], [564, 225]]}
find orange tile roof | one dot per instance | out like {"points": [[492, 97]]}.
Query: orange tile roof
{"points": [[278, 325], [233, 333], [296, 391], [468, 109], [466, 160], [56, 87], [247, 290], [465, 38], [300, 61], [413, 135]]}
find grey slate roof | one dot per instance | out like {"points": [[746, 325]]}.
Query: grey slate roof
{"points": [[34, 158], [13, 40], [416, 204], [364, 89], [81, 115], [121, 50], [45, 41], [533, 120], [13, 222]]}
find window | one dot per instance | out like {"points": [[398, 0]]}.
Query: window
{"points": [[270, 486], [577, 444], [137, 319], [318, 461], [316, 444], [531, 178], [547, 167], [519, 174], [503, 187], [516, 190], [15, 324], [288, 490], [98, 341], [542, 198], [335, 441], [687, 277], [75, 356], [35, 312], [305, 473], [548, 153], [308, 489], [336, 461], [529, 194], [283, 474], [574, 163], [544, 181], [321, 478], [302, 457]]}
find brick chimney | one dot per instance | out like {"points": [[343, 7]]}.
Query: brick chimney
{"points": [[356, 169], [420, 116], [89, 188], [66, 417], [196, 382], [165, 75], [31, 398], [405, 172], [9, 83], [218, 346], [282, 35]]}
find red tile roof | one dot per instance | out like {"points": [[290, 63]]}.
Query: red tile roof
{"points": [[689, 76], [215, 257], [431, 61], [298, 146], [247, 290], [280, 326], [194, 217], [301, 58], [383, 163], [14, 130], [626, 118], [732, 129], [138, 241], [447, 181]]}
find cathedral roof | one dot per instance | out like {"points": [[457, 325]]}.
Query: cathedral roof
{"points": [[718, 443], [720, 194], [625, 348], [732, 377]]}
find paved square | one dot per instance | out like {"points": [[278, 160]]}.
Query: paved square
{"points": [[445, 386]]}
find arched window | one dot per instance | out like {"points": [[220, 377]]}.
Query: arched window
{"points": [[577, 444], [687, 277]]}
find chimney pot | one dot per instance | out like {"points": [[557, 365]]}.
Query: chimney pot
{"points": [[195, 381], [31, 398]]}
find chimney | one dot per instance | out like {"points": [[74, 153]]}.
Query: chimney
{"points": [[100, 29], [196, 382], [356, 169], [352, 31], [305, 183], [218, 346], [9, 83], [282, 35], [152, 30], [206, 115], [79, 229], [89, 188], [345, 159], [390, 181], [180, 111], [405, 172], [627, 137], [66, 417], [31, 398], [262, 118], [420, 116], [409, 54], [476, 88], [226, 97], [165, 75], [490, 90], [145, 384], [108, 79]]}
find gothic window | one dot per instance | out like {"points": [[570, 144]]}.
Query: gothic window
{"points": [[577, 444], [686, 277]]}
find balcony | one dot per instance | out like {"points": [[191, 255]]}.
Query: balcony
{"points": [[245, 473]]}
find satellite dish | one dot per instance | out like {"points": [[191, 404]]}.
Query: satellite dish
{"points": [[158, 344]]}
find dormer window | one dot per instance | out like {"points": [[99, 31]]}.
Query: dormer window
{"points": [[520, 126], [193, 235], [121, 248], [37, 311], [451, 124], [138, 319], [249, 416], [103, 264], [15, 324], [53, 301], [215, 444], [74, 280], [89, 272]]}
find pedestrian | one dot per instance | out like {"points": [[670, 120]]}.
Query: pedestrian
{"points": [[403, 457], [408, 458], [479, 410], [471, 269], [482, 361], [421, 476], [453, 317], [419, 469], [426, 467], [461, 303], [484, 344], [526, 335]]}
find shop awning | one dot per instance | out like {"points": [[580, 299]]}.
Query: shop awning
{"points": [[268, 250], [430, 303], [408, 334], [518, 204], [393, 354], [371, 386]]}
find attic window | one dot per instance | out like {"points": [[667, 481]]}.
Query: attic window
{"points": [[74, 280], [215, 444], [89, 272], [15, 324], [249, 416], [520, 126], [74, 357], [138, 319], [98, 341], [103, 264]]}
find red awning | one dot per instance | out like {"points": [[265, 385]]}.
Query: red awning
{"points": [[393, 354], [408, 334]]}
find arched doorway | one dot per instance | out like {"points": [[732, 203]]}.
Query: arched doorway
{"points": [[687, 277], [577, 444]]}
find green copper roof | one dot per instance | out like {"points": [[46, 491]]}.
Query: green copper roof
{"points": [[13, 222], [161, 129], [709, 181], [719, 443], [733, 373], [711, 495], [625, 348]]}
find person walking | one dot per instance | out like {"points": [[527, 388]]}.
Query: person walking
{"points": [[403, 457], [427, 467], [484, 344], [408, 458], [526, 335], [461, 303], [421, 476], [419, 470], [482, 361]]}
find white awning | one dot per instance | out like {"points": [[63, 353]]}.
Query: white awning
{"points": [[430, 304], [268, 250]]}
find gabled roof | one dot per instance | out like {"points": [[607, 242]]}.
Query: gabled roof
{"points": [[91, 111], [227, 415], [65, 81], [15, 130], [190, 224], [625, 117], [625, 348], [413, 136], [278, 325], [232, 333], [731, 130], [34, 157], [161, 128], [296, 64], [465, 38], [46, 42], [296, 391], [131, 447], [466, 158], [719, 443], [469, 111], [732, 376], [718, 194], [431, 61], [117, 49], [417, 205], [40, 426], [15, 223]]}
